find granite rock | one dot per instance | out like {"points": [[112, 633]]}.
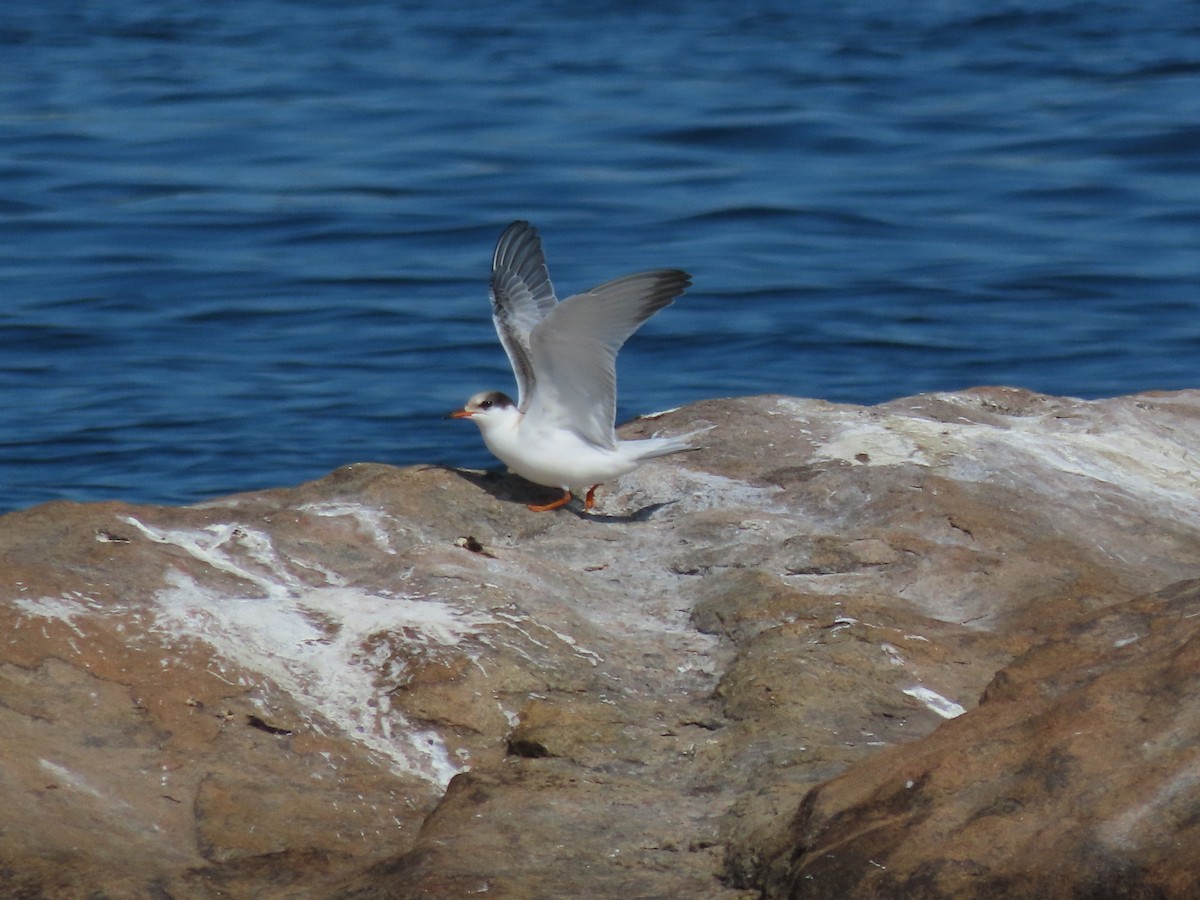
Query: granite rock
{"points": [[1077, 776], [400, 682]]}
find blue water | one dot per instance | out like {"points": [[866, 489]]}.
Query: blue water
{"points": [[243, 243]]}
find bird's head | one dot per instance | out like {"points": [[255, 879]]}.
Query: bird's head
{"points": [[486, 408]]}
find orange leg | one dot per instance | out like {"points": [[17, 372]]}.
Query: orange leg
{"points": [[561, 501], [591, 497]]}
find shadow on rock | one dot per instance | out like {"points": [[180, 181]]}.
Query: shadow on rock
{"points": [[514, 489]]}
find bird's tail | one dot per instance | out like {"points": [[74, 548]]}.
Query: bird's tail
{"points": [[654, 447]]}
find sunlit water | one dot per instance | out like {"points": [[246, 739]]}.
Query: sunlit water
{"points": [[243, 243]]}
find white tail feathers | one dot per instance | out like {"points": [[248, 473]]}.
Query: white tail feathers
{"points": [[654, 447]]}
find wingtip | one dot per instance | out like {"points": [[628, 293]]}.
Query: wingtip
{"points": [[518, 239], [516, 226], [674, 281]]}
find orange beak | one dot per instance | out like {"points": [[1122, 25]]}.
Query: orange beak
{"points": [[459, 414]]}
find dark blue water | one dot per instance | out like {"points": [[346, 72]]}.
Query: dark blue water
{"points": [[242, 243]]}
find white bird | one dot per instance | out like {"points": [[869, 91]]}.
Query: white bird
{"points": [[560, 433]]}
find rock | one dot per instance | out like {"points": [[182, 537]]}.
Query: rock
{"points": [[1077, 776], [400, 682]]}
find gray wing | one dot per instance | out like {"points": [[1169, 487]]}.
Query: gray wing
{"points": [[522, 296], [574, 351]]}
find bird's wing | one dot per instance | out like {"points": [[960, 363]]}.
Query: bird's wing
{"points": [[574, 351], [522, 296]]}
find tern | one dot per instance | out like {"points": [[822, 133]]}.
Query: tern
{"points": [[560, 431]]}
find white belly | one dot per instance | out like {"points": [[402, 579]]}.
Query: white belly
{"points": [[558, 458]]}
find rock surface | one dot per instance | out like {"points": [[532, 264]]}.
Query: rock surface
{"points": [[402, 683], [1077, 776]]}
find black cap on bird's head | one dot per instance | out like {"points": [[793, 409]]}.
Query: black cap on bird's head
{"points": [[481, 403]]}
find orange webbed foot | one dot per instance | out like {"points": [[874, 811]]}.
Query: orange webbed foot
{"points": [[591, 497], [561, 501]]}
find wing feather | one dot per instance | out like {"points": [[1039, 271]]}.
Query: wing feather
{"points": [[574, 350], [522, 296]]}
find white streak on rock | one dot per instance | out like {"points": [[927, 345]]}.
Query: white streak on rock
{"points": [[339, 650], [947, 709], [370, 521], [61, 609], [893, 654], [71, 779], [1126, 454], [882, 443]]}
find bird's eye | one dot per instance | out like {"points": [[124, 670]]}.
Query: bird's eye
{"points": [[485, 404]]}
